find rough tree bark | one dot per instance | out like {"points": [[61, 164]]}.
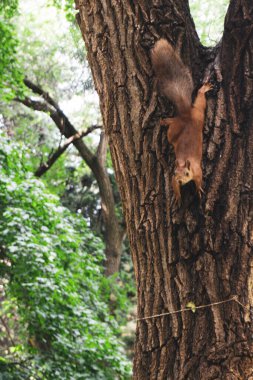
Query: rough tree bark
{"points": [[200, 252]]}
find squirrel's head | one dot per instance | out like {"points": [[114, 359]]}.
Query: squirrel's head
{"points": [[183, 172]]}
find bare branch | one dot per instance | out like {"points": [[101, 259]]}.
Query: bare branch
{"points": [[7, 330], [62, 122], [38, 90], [96, 164], [36, 105], [62, 148]]}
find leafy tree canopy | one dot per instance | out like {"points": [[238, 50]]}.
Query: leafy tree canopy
{"points": [[64, 74]]}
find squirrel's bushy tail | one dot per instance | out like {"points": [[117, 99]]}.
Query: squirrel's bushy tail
{"points": [[174, 78]]}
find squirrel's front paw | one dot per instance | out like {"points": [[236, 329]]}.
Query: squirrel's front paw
{"points": [[200, 192], [205, 88], [176, 188]]}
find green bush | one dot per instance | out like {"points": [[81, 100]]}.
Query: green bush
{"points": [[52, 263]]}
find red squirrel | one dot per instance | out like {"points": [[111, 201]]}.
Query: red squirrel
{"points": [[185, 131]]}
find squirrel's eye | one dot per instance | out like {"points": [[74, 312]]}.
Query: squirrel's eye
{"points": [[187, 174]]}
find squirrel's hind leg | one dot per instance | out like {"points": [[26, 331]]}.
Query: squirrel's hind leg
{"points": [[174, 128]]}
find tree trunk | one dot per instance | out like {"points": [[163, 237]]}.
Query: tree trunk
{"points": [[113, 233], [200, 252]]}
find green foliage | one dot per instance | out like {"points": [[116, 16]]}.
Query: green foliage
{"points": [[119, 291], [81, 192], [68, 6], [43, 31], [11, 78], [52, 263], [209, 19], [8, 8]]}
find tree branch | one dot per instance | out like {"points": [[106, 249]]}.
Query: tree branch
{"points": [[38, 90], [44, 167], [96, 164], [7, 330], [36, 105], [102, 148], [62, 122]]}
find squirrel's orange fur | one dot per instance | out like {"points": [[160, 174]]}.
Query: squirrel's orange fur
{"points": [[185, 131]]}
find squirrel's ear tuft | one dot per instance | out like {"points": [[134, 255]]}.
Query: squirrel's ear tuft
{"points": [[188, 164]]}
